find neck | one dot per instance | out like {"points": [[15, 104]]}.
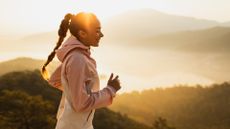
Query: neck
{"points": [[83, 41]]}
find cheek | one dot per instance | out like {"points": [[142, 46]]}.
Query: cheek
{"points": [[97, 35], [94, 38]]}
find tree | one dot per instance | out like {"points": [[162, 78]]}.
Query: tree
{"points": [[18, 110], [161, 123], [107, 119]]}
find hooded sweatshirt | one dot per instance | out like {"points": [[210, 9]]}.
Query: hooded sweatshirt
{"points": [[78, 80]]}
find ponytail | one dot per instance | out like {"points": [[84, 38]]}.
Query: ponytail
{"points": [[63, 28]]}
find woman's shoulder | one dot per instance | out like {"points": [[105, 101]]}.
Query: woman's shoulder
{"points": [[76, 54], [77, 57]]}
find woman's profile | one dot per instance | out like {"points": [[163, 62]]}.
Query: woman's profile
{"points": [[77, 76]]}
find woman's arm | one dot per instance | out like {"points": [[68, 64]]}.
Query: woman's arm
{"points": [[55, 78], [77, 73]]}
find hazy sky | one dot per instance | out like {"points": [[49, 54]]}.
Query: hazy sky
{"points": [[26, 16]]}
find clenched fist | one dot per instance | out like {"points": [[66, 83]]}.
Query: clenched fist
{"points": [[115, 83]]}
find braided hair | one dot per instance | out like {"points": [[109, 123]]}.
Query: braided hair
{"points": [[63, 28], [73, 23]]}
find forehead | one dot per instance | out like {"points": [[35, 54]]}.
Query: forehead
{"points": [[95, 23], [86, 21]]}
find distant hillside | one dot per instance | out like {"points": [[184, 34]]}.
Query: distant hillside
{"points": [[226, 24], [213, 40], [138, 26], [128, 27], [143, 23], [184, 107], [46, 37], [134, 25], [180, 52], [24, 63]]}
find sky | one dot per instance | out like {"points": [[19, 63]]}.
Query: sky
{"points": [[20, 17]]}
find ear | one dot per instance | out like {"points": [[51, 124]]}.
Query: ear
{"points": [[82, 33]]}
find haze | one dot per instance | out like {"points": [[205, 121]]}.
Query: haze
{"points": [[145, 53]]}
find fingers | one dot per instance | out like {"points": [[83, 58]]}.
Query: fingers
{"points": [[116, 77], [111, 76]]}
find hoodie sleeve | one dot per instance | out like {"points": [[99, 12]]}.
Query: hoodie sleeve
{"points": [[77, 73], [55, 78]]}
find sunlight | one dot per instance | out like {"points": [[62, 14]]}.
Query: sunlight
{"points": [[176, 78], [36, 16], [37, 23]]}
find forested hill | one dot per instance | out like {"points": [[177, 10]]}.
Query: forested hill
{"points": [[184, 107], [24, 63], [178, 107], [27, 101]]}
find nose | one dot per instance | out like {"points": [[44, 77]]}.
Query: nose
{"points": [[102, 35]]}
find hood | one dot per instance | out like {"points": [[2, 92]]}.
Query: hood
{"points": [[70, 44]]}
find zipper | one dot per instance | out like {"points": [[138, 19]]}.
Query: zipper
{"points": [[89, 115]]}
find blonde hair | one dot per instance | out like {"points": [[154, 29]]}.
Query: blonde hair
{"points": [[62, 34], [74, 23]]}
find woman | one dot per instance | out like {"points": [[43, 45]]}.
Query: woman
{"points": [[77, 76]]}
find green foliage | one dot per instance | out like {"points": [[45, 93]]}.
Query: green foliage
{"points": [[33, 105], [184, 107], [161, 123], [21, 111], [27, 101], [30, 82], [105, 118]]}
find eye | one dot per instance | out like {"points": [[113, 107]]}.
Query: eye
{"points": [[98, 32]]}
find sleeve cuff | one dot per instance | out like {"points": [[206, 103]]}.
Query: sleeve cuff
{"points": [[112, 90]]}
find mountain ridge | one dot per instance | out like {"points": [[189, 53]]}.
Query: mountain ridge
{"points": [[24, 63], [147, 22]]}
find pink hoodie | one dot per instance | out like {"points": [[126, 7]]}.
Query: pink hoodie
{"points": [[78, 69]]}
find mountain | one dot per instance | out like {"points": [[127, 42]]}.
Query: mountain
{"points": [[133, 26], [47, 39], [108, 119], [226, 24], [27, 63], [129, 27], [201, 52], [143, 23], [192, 51], [24, 63], [211, 40], [39, 43], [30, 83], [197, 56], [184, 107]]}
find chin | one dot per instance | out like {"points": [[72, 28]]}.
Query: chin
{"points": [[96, 45]]}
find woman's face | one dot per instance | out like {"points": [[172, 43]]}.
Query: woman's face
{"points": [[92, 34]]}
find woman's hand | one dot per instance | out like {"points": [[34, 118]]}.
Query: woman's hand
{"points": [[115, 83]]}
